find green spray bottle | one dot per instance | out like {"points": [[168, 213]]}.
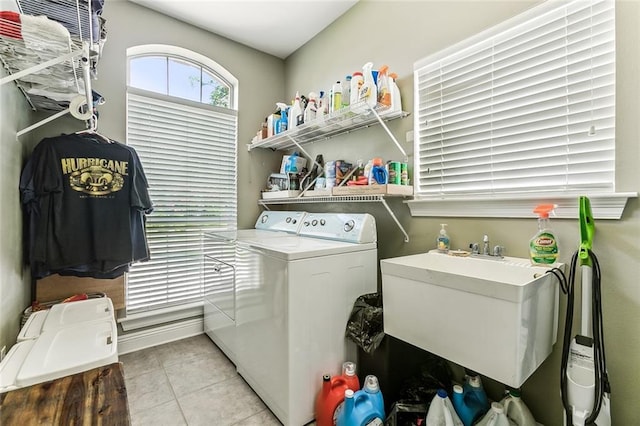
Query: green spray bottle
{"points": [[543, 247]]}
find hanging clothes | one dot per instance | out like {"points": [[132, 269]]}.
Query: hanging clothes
{"points": [[86, 199]]}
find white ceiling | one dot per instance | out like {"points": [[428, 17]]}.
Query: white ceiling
{"points": [[276, 27]]}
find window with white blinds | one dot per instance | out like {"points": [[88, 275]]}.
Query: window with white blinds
{"points": [[524, 108], [189, 153]]}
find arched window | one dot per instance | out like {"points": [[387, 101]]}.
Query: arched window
{"points": [[182, 121], [174, 73]]}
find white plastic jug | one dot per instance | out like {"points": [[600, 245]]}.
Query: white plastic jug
{"points": [[516, 410], [441, 411], [495, 417]]}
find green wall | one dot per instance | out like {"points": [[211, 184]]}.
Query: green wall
{"points": [[400, 33], [14, 285], [397, 33]]}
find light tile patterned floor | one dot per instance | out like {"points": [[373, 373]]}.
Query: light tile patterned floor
{"points": [[190, 382]]}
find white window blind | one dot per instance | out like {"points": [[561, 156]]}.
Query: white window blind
{"points": [[525, 108], [189, 153]]}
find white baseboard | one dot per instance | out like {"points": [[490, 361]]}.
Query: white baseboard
{"points": [[138, 340]]}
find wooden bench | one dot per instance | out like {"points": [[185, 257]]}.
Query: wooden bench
{"points": [[94, 397]]}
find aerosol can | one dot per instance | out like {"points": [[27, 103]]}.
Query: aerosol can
{"points": [[584, 381]]}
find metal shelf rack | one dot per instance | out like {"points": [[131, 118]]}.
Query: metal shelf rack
{"points": [[339, 122]]}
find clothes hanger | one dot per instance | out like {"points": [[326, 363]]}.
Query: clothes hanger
{"points": [[92, 129]]}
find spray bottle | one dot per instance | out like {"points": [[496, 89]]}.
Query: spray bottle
{"points": [[312, 108], [368, 92], [543, 247], [282, 123], [295, 113]]}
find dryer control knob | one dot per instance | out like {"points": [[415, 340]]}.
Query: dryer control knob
{"points": [[349, 226]]}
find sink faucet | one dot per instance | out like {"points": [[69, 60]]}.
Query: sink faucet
{"points": [[496, 253], [474, 248]]}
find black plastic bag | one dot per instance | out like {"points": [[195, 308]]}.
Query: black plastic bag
{"points": [[434, 374], [365, 326]]}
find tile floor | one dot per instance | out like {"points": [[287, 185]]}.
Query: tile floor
{"points": [[190, 382]]}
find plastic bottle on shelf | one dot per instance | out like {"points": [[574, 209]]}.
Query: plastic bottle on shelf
{"points": [[368, 92], [516, 410], [356, 82], [367, 170], [441, 411], [282, 123], [322, 106], [346, 91], [378, 174], [295, 113], [383, 87], [312, 108], [396, 101], [336, 96]]}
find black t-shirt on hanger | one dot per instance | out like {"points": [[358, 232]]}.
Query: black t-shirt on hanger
{"points": [[92, 198]]}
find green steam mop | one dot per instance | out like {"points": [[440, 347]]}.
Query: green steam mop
{"points": [[584, 381]]}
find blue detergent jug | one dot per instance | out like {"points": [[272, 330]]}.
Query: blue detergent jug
{"points": [[363, 407], [470, 400]]}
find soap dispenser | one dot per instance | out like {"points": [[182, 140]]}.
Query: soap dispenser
{"points": [[443, 242]]}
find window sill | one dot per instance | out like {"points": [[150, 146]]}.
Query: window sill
{"points": [[160, 316], [603, 206]]}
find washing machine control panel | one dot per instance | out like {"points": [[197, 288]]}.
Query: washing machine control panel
{"points": [[354, 228], [281, 221]]}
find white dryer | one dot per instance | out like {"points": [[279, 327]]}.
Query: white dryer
{"points": [[219, 248], [293, 298]]}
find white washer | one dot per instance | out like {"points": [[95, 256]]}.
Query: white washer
{"points": [[293, 298], [219, 249]]}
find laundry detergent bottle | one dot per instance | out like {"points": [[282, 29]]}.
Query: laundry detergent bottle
{"points": [[378, 174], [331, 394], [474, 391], [495, 417], [470, 400], [359, 409], [516, 410], [543, 247], [372, 389], [441, 411]]}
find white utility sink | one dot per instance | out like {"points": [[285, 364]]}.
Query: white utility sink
{"points": [[497, 317]]}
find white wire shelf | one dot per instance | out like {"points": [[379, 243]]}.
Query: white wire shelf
{"points": [[50, 50], [345, 120]]}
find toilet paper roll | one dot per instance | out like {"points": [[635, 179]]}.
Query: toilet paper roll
{"points": [[79, 109]]}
